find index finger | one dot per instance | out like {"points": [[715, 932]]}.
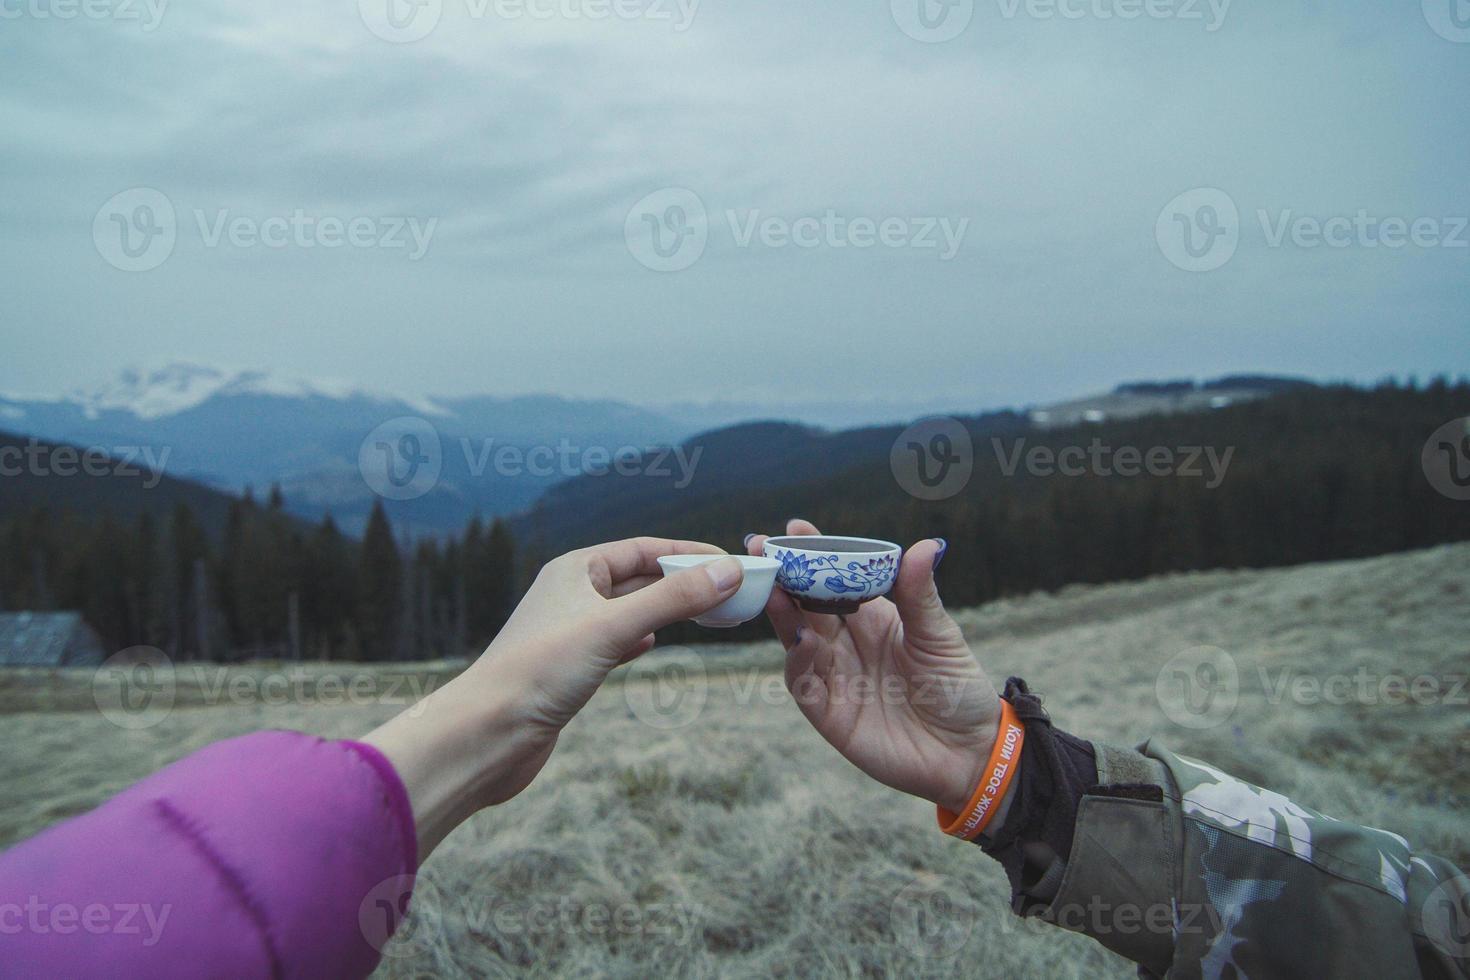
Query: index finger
{"points": [[639, 556]]}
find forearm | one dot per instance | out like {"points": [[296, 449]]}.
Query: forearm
{"points": [[460, 750], [257, 853], [1183, 868]]}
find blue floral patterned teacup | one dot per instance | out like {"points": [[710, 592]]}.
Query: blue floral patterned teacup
{"points": [[831, 574]]}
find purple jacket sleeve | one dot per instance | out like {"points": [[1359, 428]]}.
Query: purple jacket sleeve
{"points": [[270, 855]]}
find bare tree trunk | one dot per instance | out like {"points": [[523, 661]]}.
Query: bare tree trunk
{"points": [[293, 623], [201, 609]]}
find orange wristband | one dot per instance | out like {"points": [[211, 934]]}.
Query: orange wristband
{"points": [[1005, 759]]}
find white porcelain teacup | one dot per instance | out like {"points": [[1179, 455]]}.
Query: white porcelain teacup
{"points": [[747, 602], [832, 574]]}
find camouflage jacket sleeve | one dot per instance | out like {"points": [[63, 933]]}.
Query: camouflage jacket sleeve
{"points": [[1190, 872]]}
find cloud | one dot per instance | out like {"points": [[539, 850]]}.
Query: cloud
{"points": [[528, 139]]}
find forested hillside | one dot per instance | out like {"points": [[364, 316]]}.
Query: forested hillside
{"points": [[197, 573], [1312, 474], [1309, 474]]}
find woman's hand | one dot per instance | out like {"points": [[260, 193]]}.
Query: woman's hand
{"points": [[482, 738], [893, 686]]}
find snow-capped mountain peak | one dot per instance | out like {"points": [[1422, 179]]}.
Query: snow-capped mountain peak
{"points": [[151, 394], [179, 386]]}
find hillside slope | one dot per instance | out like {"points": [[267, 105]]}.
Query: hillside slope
{"points": [[738, 843], [122, 486]]}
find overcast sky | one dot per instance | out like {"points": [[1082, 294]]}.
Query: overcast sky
{"points": [[991, 218]]}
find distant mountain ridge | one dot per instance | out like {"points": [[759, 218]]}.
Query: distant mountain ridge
{"points": [[779, 456], [231, 429], [234, 429]]}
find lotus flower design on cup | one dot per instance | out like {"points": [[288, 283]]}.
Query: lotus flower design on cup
{"points": [[833, 574]]}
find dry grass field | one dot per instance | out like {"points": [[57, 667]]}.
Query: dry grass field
{"points": [[690, 824]]}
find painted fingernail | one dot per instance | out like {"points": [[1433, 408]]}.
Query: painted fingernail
{"points": [[797, 642], [746, 542], [725, 573], [939, 555]]}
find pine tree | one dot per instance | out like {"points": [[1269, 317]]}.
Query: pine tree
{"points": [[380, 573]]}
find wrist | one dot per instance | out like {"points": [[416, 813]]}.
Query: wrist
{"points": [[969, 768], [457, 752], [988, 798]]}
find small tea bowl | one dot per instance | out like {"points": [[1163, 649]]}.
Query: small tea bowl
{"points": [[747, 602], [830, 574]]}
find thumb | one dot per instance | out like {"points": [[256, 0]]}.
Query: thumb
{"points": [[917, 597], [683, 595]]}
